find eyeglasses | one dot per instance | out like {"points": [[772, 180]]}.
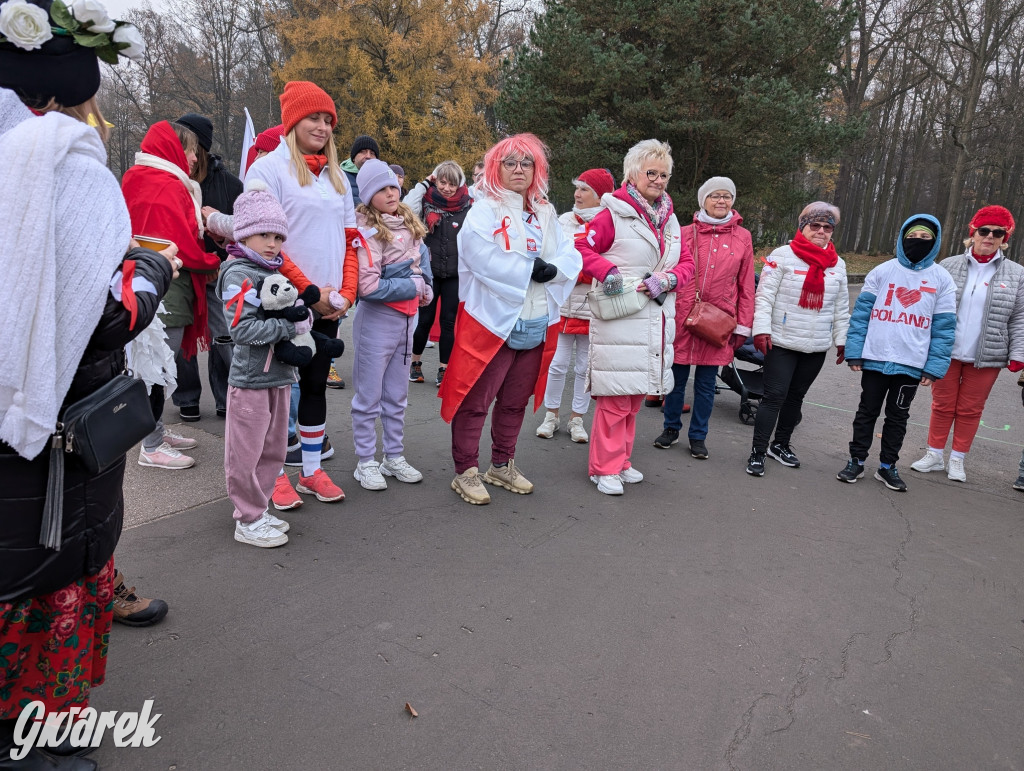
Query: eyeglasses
{"points": [[509, 163], [816, 226], [720, 197], [653, 175], [994, 232]]}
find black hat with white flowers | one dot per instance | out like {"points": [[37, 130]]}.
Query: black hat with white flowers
{"points": [[50, 50]]}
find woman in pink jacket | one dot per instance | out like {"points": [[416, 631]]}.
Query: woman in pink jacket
{"points": [[724, 277]]}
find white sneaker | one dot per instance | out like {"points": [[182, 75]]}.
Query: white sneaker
{"points": [[368, 475], [609, 484], [259, 533], [430, 343], [276, 522], [165, 456], [956, 470], [576, 430], [631, 476], [547, 429], [930, 462], [179, 442], [400, 469]]}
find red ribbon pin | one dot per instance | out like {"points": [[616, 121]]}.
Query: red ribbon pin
{"points": [[503, 230], [238, 301]]}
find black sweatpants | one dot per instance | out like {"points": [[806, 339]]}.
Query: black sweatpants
{"points": [[897, 392], [787, 377], [446, 293]]}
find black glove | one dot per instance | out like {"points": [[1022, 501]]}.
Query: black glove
{"points": [[543, 271], [1022, 395], [296, 313]]}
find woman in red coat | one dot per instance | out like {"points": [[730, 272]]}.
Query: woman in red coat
{"points": [[724, 254]]}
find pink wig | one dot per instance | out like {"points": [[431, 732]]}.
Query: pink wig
{"points": [[518, 146]]}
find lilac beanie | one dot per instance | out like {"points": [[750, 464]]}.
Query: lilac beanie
{"points": [[257, 211], [373, 177]]}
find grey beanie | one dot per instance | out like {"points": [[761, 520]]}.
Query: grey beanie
{"points": [[713, 184], [373, 177]]}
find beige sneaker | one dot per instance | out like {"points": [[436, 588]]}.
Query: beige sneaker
{"points": [[468, 485], [508, 477], [547, 429], [576, 431]]}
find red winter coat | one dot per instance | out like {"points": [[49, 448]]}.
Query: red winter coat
{"points": [[725, 276], [161, 207]]}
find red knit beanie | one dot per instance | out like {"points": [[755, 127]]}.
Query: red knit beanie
{"points": [[302, 98], [997, 216], [600, 181]]}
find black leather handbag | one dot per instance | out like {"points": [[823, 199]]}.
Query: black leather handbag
{"points": [[99, 428]]}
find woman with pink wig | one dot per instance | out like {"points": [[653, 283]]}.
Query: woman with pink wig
{"points": [[516, 268]]}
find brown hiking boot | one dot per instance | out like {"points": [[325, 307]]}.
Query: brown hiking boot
{"points": [[132, 610], [468, 485], [509, 477]]}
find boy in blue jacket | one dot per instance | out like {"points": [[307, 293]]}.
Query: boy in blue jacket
{"points": [[901, 336]]}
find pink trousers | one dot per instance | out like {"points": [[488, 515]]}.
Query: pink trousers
{"points": [[958, 401], [255, 443], [613, 433]]}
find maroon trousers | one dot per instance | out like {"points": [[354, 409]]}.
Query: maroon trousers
{"points": [[508, 381]]}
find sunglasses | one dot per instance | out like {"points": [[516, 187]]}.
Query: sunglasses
{"points": [[816, 226], [994, 232]]}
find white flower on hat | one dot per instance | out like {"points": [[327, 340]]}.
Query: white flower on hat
{"points": [[92, 15], [25, 25], [130, 42]]}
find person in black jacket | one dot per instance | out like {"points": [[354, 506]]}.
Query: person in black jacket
{"points": [[220, 189], [442, 202], [69, 232]]}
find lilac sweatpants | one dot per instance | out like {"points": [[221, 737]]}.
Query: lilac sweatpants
{"points": [[380, 374], [255, 443]]}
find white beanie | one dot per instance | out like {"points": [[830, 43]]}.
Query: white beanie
{"points": [[713, 184]]}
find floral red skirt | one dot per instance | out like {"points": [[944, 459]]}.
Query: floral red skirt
{"points": [[53, 648]]}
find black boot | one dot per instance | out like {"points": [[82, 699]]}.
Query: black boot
{"points": [[36, 759]]}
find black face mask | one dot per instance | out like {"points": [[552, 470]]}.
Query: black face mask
{"points": [[916, 249]]}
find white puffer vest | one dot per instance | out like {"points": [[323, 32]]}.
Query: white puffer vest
{"points": [[633, 355]]}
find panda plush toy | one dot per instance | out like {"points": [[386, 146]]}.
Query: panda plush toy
{"points": [[281, 300]]}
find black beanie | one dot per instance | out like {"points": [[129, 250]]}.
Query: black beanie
{"points": [[364, 142], [199, 125], [60, 70]]}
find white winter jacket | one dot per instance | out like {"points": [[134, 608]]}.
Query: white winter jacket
{"points": [[777, 310], [633, 355]]}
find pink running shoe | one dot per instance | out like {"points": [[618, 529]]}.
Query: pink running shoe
{"points": [[321, 486], [165, 456], [284, 496], [179, 442]]}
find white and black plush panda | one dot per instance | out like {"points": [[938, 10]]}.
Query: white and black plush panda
{"points": [[281, 300]]}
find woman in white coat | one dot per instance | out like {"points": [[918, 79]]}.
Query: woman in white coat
{"points": [[802, 308], [636, 238]]}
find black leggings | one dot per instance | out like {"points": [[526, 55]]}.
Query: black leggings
{"points": [[787, 376], [446, 291], [313, 380]]}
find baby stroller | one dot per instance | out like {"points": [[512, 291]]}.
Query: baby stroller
{"points": [[748, 383]]}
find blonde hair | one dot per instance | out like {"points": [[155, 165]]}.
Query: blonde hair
{"points": [[375, 219], [302, 172], [640, 153], [82, 112]]}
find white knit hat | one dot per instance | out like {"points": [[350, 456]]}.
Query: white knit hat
{"points": [[713, 184]]}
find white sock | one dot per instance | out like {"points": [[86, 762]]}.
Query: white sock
{"points": [[956, 454], [312, 439], [935, 451]]}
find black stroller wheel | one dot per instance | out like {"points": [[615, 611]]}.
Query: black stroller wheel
{"points": [[748, 412]]}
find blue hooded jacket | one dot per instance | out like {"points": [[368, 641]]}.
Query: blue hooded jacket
{"points": [[943, 325]]}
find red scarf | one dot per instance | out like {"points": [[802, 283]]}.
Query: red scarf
{"points": [[435, 204], [812, 295], [316, 163], [983, 260]]}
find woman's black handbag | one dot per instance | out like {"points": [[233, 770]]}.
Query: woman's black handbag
{"points": [[99, 428]]}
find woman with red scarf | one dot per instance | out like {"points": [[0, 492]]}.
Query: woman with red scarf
{"points": [[442, 201], [802, 308]]}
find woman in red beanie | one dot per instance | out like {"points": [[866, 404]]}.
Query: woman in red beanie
{"points": [[302, 172], [989, 336]]}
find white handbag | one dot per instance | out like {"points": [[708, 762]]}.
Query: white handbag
{"points": [[616, 306]]}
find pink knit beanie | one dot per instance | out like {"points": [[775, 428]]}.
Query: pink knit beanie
{"points": [[257, 211]]}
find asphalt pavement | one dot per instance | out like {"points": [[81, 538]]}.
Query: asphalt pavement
{"points": [[704, 620]]}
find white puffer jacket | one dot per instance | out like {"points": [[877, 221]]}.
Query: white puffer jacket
{"points": [[633, 355], [777, 310]]}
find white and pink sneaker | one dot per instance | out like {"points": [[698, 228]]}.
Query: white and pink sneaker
{"points": [[179, 442], [165, 456]]}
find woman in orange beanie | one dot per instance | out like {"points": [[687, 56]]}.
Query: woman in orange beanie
{"points": [[303, 174]]}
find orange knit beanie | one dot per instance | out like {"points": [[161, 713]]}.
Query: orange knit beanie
{"points": [[302, 98]]}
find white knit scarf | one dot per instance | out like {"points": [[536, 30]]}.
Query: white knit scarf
{"points": [[707, 219], [156, 162], [58, 273]]}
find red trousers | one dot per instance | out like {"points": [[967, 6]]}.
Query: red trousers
{"points": [[957, 402], [613, 433]]}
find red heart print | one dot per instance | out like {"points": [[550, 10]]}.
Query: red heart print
{"points": [[907, 297]]}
